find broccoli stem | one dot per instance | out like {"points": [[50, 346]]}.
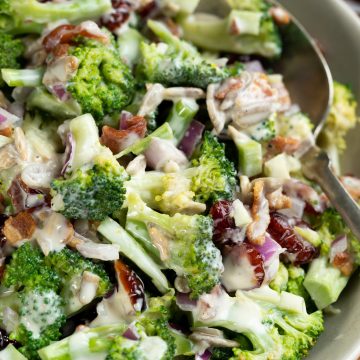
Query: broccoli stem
{"points": [[74, 10], [129, 46], [180, 117], [183, 6], [111, 230], [42, 100], [23, 77], [163, 132], [64, 349], [10, 353]]}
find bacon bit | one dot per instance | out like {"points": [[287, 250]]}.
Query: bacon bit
{"points": [[118, 140], [64, 34], [260, 214], [6, 132], [173, 27], [19, 227], [280, 15], [231, 85], [131, 283], [277, 200], [285, 144], [344, 262]]}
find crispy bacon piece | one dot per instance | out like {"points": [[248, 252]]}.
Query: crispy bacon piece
{"points": [[284, 144], [118, 140], [131, 284], [298, 251], [64, 34], [6, 132], [19, 227], [344, 262], [280, 15], [260, 214], [119, 15]]}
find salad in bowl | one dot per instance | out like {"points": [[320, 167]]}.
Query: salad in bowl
{"points": [[152, 202]]}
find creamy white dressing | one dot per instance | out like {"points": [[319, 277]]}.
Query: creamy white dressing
{"points": [[153, 348]]}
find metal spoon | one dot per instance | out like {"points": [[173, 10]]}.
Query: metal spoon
{"points": [[308, 78]]}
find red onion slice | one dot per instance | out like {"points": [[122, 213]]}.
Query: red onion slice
{"points": [[69, 153], [192, 137], [254, 66], [131, 333], [338, 246], [7, 119], [206, 355], [184, 302], [59, 90], [125, 116]]}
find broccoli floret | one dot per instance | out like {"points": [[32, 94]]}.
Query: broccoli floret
{"points": [[249, 5], [265, 131], [70, 265], [94, 187], [341, 119], [217, 34], [11, 50], [27, 269], [279, 282], [277, 325], [212, 174], [297, 126], [41, 318], [103, 84], [27, 16], [186, 244], [176, 63]]}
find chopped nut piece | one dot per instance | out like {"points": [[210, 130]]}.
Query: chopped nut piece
{"points": [[344, 263], [19, 227]]}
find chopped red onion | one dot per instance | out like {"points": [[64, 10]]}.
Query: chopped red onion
{"points": [[192, 137], [125, 116], [69, 153], [59, 90], [184, 302], [131, 333], [270, 252], [7, 119], [338, 246], [206, 355]]}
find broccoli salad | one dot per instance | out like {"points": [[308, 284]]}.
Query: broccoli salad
{"points": [[152, 202]]}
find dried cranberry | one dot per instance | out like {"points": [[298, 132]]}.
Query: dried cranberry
{"points": [[132, 284], [3, 218], [224, 223], [298, 251], [5, 341], [118, 16], [150, 10], [238, 261]]}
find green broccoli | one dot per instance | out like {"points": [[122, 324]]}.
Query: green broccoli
{"points": [[249, 5], [185, 244], [176, 63], [263, 132], [255, 33], [20, 16], [37, 302], [213, 175], [11, 353], [11, 50], [277, 325], [103, 84], [94, 187], [280, 281]]}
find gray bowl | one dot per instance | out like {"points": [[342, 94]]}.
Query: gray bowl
{"points": [[337, 29]]}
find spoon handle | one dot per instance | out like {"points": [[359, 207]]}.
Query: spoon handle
{"points": [[317, 167]]}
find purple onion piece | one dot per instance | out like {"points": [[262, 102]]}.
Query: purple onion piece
{"points": [[206, 355], [59, 90], [254, 66], [131, 333], [338, 246], [69, 153], [7, 119], [184, 302], [192, 137], [125, 116]]}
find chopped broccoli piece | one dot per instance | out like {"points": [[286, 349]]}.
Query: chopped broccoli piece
{"points": [[11, 50], [112, 231], [103, 84], [297, 126], [265, 131], [27, 16], [250, 5], [27, 269], [180, 6], [212, 174], [129, 46], [24, 77], [277, 325], [186, 244], [341, 119], [279, 282], [10, 353], [70, 265], [176, 63], [213, 33], [40, 99], [324, 282], [95, 187]]}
